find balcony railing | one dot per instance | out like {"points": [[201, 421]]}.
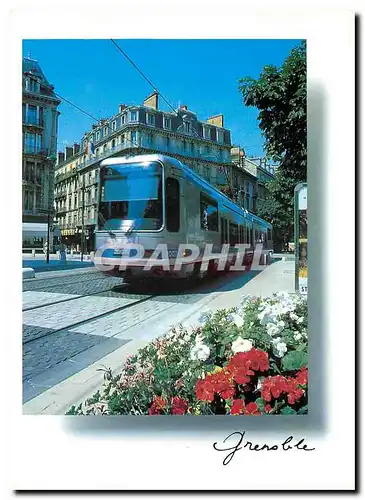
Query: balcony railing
{"points": [[36, 150], [33, 122]]}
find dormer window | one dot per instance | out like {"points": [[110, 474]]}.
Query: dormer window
{"points": [[206, 132], [97, 135], [114, 125], [105, 132], [133, 116], [187, 127], [123, 119], [151, 119], [167, 123]]}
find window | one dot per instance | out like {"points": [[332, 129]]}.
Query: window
{"points": [[32, 114], [233, 234], [122, 139], [206, 132], [208, 213], [113, 143], [187, 127], [167, 139], [206, 173], [32, 85], [192, 149], [133, 116], [97, 136], [134, 137], [151, 119], [224, 231], [104, 148], [114, 125], [33, 143], [123, 119], [105, 131], [167, 123], [172, 205]]}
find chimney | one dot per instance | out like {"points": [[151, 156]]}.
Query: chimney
{"points": [[216, 120], [151, 101], [60, 157], [68, 152], [122, 107], [76, 148], [184, 107]]}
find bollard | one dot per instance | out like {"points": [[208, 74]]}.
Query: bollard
{"points": [[33, 252]]}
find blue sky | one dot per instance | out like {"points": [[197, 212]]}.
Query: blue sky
{"points": [[203, 74]]}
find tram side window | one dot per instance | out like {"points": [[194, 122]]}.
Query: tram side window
{"points": [[172, 205], [233, 234], [224, 230], [208, 213]]}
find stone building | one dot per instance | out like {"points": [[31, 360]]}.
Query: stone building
{"points": [[250, 178], [40, 121], [205, 146]]}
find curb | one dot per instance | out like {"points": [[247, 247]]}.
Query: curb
{"points": [[28, 272]]}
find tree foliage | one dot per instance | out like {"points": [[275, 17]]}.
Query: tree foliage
{"points": [[280, 94]]}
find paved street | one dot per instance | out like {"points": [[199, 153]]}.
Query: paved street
{"points": [[73, 318]]}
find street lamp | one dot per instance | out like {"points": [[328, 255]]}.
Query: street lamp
{"points": [[49, 229]]}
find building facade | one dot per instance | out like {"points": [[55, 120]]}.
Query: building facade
{"points": [[204, 146], [40, 123], [252, 176]]}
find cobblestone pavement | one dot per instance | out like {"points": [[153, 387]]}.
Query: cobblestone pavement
{"points": [[71, 320]]}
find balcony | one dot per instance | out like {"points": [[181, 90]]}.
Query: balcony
{"points": [[62, 177], [60, 194], [62, 209], [34, 150], [33, 122]]}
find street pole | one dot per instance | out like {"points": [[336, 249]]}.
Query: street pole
{"points": [[82, 220], [48, 224]]}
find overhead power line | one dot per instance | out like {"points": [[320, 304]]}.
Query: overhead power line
{"points": [[163, 98]]}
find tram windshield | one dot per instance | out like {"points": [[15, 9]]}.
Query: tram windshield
{"points": [[131, 197]]}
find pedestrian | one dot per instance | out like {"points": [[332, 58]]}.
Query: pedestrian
{"points": [[62, 251]]}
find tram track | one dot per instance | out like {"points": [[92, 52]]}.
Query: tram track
{"points": [[89, 320]]}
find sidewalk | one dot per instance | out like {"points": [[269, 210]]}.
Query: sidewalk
{"points": [[58, 399], [39, 264]]}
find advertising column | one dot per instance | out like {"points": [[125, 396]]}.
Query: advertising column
{"points": [[301, 243]]}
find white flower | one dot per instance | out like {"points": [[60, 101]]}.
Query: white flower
{"points": [[260, 381], [236, 319], [267, 316], [203, 318], [297, 336], [293, 316], [300, 320], [281, 324], [241, 345], [280, 348], [200, 352], [272, 329]]}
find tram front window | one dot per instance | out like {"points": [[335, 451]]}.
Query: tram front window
{"points": [[131, 194]]}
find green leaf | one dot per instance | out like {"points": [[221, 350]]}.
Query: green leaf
{"points": [[294, 360], [288, 411], [303, 410], [260, 403]]}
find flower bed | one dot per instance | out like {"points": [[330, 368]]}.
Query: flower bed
{"points": [[250, 360]]}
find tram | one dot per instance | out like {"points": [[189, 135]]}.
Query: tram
{"points": [[151, 200]]}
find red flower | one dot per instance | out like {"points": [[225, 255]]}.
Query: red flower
{"points": [[302, 376], [268, 408], [220, 383], [237, 407], [179, 406], [252, 409], [204, 390], [275, 386], [157, 405]]}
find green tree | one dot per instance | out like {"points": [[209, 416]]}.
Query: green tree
{"points": [[280, 94]]}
